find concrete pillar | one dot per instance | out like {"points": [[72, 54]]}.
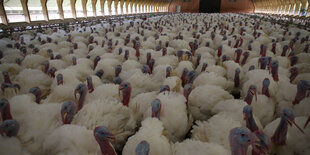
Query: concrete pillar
{"points": [[26, 11], [3, 14], [109, 6], [60, 9], [102, 2], [44, 10], [93, 6], [84, 2], [72, 2], [115, 6]]}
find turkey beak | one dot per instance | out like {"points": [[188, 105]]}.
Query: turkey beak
{"points": [[261, 144], [120, 88], [245, 116], [64, 116], [307, 122], [254, 93], [292, 121], [76, 91]]}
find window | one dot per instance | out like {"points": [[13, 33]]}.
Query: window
{"points": [[89, 9], [289, 9], [66, 6], [133, 9], [106, 8], [52, 9], [112, 8], [14, 11], [299, 8], [124, 8], [119, 11], [293, 10], [35, 10], [304, 13], [79, 8]]}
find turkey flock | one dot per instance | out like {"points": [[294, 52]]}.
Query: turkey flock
{"points": [[173, 84]]}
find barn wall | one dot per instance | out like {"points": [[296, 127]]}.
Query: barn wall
{"points": [[192, 6], [244, 6]]}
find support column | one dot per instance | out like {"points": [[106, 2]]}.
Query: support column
{"points": [[93, 6], [303, 7], [44, 10], [102, 2], [60, 9], [136, 6], [109, 7], [115, 6], [3, 14], [131, 3], [26, 11], [308, 11], [72, 2], [297, 10], [122, 6], [126, 6], [84, 2]]}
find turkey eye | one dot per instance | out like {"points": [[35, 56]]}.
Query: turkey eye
{"points": [[242, 135]]}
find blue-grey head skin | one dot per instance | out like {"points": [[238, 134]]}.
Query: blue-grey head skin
{"points": [[68, 110], [3, 104], [157, 48], [117, 80], [261, 144], [9, 128], [204, 66], [73, 60], [251, 67], [240, 138], [120, 51], [100, 73], [118, 70], [302, 87], [191, 76], [143, 148], [266, 82], [168, 71], [156, 107], [103, 133], [180, 54], [36, 91], [287, 118], [248, 117], [59, 78], [164, 88], [126, 54], [103, 137], [146, 69]]}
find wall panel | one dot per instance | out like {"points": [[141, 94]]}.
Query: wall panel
{"points": [[245, 6]]}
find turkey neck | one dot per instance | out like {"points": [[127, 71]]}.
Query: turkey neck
{"points": [[126, 97], [251, 124], [244, 59], [106, 148], [81, 99], [239, 149], [279, 137], [248, 99], [6, 113]]}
